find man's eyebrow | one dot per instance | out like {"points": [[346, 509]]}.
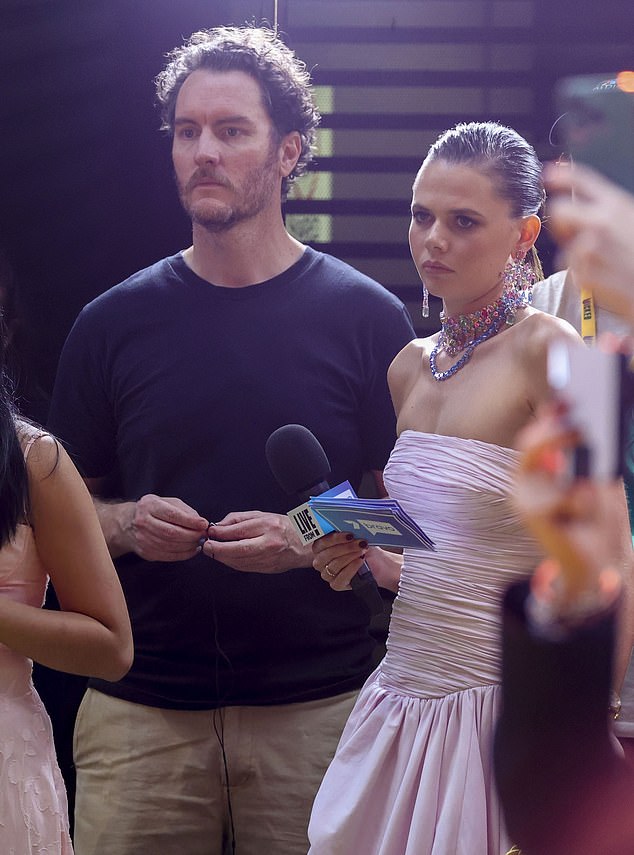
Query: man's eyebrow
{"points": [[237, 119]]}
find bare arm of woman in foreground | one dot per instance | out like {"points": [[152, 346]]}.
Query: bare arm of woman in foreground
{"points": [[91, 634], [583, 527]]}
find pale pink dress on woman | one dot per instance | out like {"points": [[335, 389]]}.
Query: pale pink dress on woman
{"points": [[33, 807], [413, 771]]}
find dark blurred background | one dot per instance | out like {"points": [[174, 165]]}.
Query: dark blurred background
{"points": [[87, 194]]}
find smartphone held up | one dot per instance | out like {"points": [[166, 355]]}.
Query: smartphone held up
{"points": [[598, 390], [597, 123]]}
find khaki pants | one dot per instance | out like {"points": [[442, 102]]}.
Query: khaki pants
{"points": [[152, 781]]}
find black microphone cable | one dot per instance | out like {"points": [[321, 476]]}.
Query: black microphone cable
{"points": [[218, 720]]}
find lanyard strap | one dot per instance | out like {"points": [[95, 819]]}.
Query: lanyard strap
{"points": [[588, 317]]}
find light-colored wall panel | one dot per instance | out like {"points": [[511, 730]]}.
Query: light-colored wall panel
{"points": [[485, 72], [407, 13], [513, 14], [505, 57], [376, 143], [499, 56], [355, 185], [418, 57], [470, 100], [375, 229], [313, 185], [310, 228], [512, 100]]}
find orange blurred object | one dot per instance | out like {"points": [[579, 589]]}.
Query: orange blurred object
{"points": [[625, 81]]}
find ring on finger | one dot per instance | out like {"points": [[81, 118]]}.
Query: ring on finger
{"points": [[329, 571]]}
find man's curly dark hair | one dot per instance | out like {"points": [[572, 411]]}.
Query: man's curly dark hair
{"points": [[257, 51]]}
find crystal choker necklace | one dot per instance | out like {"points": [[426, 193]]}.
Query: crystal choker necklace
{"points": [[463, 333]]}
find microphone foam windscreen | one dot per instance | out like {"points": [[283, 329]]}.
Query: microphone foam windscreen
{"points": [[296, 458]]}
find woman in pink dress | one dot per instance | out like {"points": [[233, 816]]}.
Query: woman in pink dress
{"points": [[48, 529], [413, 772]]}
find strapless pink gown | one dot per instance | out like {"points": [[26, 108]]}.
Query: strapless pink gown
{"points": [[413, 772], [33, 806]]}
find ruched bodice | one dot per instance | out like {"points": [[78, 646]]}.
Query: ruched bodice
{"points": [[413, 771], [23, 580], [445, 620], [33, 807]]}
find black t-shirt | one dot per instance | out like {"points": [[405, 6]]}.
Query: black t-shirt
{"points": [[175, 384]]}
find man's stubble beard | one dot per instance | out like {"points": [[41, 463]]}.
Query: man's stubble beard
{"points": [[258, 186]]}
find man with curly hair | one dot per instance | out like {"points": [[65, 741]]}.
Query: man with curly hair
{"points": [[246, 665]]}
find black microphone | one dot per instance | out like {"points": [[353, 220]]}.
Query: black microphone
{"points": [[301, 468]]}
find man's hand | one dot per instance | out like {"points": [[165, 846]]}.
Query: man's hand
{"points": [[155, 528], [257, 542]]}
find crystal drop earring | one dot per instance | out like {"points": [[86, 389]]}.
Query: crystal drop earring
{"points": [[424, 309]]}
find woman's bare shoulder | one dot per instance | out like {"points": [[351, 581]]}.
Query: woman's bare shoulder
{"points": [[41, 449], [538, 329], [413, 351], [405, 369]]}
